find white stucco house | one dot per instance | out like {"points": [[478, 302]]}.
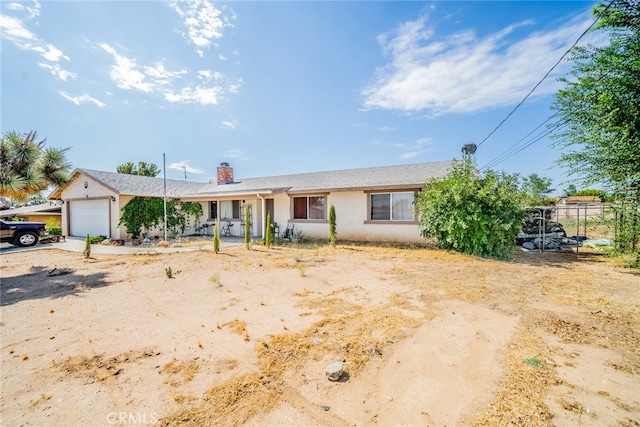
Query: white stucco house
{"points": [[372, 204]]}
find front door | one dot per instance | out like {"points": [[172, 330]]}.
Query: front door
{"points": [[270, 211]]}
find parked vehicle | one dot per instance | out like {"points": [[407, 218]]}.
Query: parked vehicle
{"points": [[538, 224], [22, 233]]}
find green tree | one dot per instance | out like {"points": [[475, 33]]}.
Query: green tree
{"points": [[28, 166], [332, 226], [571, 190], [142, 169], [536, 189], [599, 107], [472, 214]]}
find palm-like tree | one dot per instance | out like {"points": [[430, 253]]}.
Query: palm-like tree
{"points": [[27, 166]]}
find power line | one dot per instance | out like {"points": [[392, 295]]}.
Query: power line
{"points": [[509, 152], [545, 76]]}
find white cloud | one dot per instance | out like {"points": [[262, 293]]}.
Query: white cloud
{"points": [[208, 75], [13, 29], [58, 72], [156, 79], [32, 12], [235, 154], [227, 124], [183, 165], [82, 99], [463, 72], [420, 146], [125, 72], [200, 95], [204, 22]]}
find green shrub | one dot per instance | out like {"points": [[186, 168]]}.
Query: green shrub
{"points": [[247, 227], [332, 226], [472, 214], [87, 248], [55, 231], [216, 238], [97, 239]]}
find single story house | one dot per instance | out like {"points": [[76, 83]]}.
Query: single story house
{"points": [[372, 204]]}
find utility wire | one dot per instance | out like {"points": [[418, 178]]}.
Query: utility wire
{"points": [[545, 76], [508, 152]]}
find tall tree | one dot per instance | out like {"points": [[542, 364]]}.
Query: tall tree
{"points": [[142, 168], [599, 106], [536, 189], [28, 166]]}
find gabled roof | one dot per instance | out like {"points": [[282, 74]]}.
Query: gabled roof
{"points": [[412, 175], [400, 176], [134, 185]]}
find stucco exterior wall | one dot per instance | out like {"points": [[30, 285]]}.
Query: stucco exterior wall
{"points": [[94, 191], [351, 213], [351, 221]]}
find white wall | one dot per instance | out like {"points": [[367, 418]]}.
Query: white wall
{"points": [[94, 190], [351, 215]]}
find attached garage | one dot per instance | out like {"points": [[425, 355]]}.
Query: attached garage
{"points": [[90, 217]]}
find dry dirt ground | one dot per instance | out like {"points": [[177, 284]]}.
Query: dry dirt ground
{"points": [[244, 337]]}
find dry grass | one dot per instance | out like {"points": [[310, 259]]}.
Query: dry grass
{"points": [[415, 280]]}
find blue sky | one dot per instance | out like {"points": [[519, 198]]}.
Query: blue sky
{"points": [[279, 87]]}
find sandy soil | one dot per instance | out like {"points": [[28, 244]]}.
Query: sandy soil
{"points": [[244, 337]]}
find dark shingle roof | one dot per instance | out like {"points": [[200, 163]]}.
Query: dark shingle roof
{"points": [[412, 175]]}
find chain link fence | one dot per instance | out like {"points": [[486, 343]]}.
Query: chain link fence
{"points": [[573, 226]]}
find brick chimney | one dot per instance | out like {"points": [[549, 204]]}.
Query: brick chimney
{"points": [[225, 173]]}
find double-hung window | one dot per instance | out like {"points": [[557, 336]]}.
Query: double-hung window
{"points": [[392, 206], [309, 207]]}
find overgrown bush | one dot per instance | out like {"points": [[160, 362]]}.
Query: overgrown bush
{"points": [[469, 213], [145, 213]]}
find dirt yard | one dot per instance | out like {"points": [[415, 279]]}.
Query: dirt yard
{"points": [[244, 337]]}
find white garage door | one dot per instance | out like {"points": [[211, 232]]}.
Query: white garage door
{"points": [[89, 217]]}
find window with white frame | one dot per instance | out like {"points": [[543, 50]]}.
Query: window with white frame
{"points": [[309, 207], [392, 206], [230, 209]]}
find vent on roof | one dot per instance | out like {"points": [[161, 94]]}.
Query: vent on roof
{"points": [[225, 174]]}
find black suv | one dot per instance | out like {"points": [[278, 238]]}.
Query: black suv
{"points": [[22, 233]]}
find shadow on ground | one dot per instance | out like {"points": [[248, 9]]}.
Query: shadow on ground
{"points": [[46, 282]]}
